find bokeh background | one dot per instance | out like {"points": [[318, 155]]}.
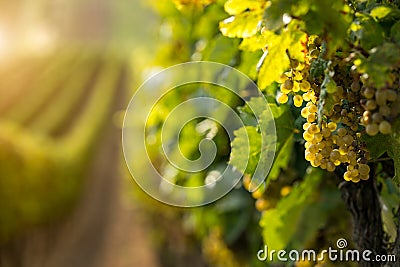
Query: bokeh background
{"points": [[67, 71]]}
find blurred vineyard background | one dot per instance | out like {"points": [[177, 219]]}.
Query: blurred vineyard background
{"points": [[68, 69]]}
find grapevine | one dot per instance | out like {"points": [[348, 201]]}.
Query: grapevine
{"points": [[333, 135], [329, 71]]}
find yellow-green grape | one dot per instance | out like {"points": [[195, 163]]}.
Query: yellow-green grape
{"points": [[326, 151], [306, 125], [282, 98], [335, 155], [282, 78], [369, 93], [305, 112], [296, 86], [246, 181], [341, 132], [380, 97], [312, 108], [370, 104], [326, 132], [332, 126], [311, 117], [313, 129], [317, 138], [372, 129], [363, 169], [354, 172], [385, 127], [348, 139], [347, 176], [286, 190], [306, 96], [308, 137], [287, 86], [330, 167], [304, 86], [391, 95], [313, 148], [310, 156], [298, 101], [262, 204], [260, 191]]}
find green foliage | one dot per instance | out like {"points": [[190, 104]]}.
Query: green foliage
{"points": [[265, 39], [280, 46], [277, 231]]}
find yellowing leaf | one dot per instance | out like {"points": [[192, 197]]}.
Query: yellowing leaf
{"points": [[381, 12], [180, 4], [254, 43], [235, 7], [241, 26], [277, 60]]}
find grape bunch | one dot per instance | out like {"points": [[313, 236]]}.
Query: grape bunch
{"points": [[333, 135], [381, 106]]}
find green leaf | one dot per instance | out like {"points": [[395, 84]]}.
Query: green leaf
{"points": [[282, 158], [248, 63], [254, 43], [274, 13], [395, 33], [315, 216], [262, 155], [390, 199], [328, 18], [382, 59], [245, 153], [221, 49], [368, 32], [277, 60], [241, 26], [235, 7], [381, 12], [327, 101], [380, 144], [284, 142], [281, 223]]}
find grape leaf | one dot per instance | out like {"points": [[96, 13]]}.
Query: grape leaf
{"points": [[379, 144], [254, 43], [280, 224], [274, 13], [368, 32], [330, 18], [395, 33], [381, 13], [245, 153], [221, 50], [382, 59], [235, 7], [390, 199], [277, 60], [241, 26], [284, 141]]}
